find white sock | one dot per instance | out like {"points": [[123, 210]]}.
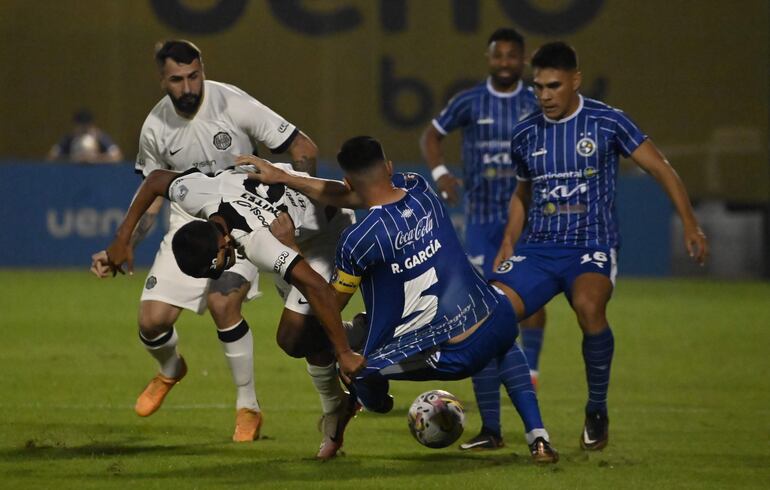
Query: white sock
{"points": [[238, 344], [535, 433], [327, 384], [163, 349]]}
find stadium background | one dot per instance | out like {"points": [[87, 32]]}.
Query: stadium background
{"points": [[694, 75], [690, 386]]}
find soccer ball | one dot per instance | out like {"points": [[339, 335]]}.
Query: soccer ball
{"points": [[436, 419]]}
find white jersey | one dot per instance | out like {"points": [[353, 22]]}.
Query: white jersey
{"points": [[249, 206], [229, 123]]}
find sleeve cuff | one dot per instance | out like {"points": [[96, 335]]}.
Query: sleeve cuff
{"points": [[286, 144], [438, 127]]}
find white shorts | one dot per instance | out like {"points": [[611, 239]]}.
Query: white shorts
{"points": [[319, 252], [167, 284]]}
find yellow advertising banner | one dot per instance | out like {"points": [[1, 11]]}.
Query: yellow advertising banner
{"points": [[693, 74]]}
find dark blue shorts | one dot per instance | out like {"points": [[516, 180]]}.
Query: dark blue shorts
{"points": [[539, 272], [447, 361], [482, 243]]}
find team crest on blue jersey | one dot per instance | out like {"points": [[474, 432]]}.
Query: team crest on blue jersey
{"points": [[505, 266], [222, 140], [586, 147], [589, 172]]}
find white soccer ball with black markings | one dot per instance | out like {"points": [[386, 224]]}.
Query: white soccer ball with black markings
{"points": [[436, 419]]}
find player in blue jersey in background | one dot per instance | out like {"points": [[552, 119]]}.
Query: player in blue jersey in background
{"points": [[431, 316], [487, 114], [567, 162]]}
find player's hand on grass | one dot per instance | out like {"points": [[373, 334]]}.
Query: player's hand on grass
{"points": [[696, 243], [449, 188], [119, 253], [282, 228], [100, 264], [351, 363], [266, 172]]}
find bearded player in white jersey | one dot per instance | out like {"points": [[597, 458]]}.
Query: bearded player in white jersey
{"points": [[205, 125]]}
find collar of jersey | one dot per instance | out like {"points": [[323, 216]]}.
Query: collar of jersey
{"points": [[380, 206], [571, 116], [504, 95]]}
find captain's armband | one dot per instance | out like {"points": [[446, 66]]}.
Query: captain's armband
{"points": [[344, 282]]}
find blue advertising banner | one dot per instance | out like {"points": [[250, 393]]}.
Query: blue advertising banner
{"points": [[57, 215]]}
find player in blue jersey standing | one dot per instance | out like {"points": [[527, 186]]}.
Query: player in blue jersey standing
{"points": [[487, 114], [567, 162], [430, 314]]}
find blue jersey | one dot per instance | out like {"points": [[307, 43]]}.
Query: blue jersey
{"points": [[419, 288], [573, 167], [487, 118]]}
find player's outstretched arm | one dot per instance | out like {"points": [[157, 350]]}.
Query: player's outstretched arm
{"points": [[649, 158], [325, 191], [517, 215], [430, 147], [148, 196], [323, 301]]}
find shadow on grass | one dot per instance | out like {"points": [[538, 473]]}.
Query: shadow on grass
{"points": [[308, 471], [52, 450]]}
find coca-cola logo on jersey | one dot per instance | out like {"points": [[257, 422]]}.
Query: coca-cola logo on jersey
{"points": [[422, 228]]}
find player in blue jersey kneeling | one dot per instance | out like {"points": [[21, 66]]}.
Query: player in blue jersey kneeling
{"points": [[430, 314]]}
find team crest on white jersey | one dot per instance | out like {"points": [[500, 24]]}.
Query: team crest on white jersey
{"points": [[222, 140], [586, 147]]}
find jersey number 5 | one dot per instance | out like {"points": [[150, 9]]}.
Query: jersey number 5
{"points": [[419, 309]]}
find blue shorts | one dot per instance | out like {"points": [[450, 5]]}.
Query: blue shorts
{"points": [[447, 361], [539, 272], [482, 243]]}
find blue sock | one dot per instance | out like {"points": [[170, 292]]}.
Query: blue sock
{"points": [[597, 354], [532, 343], [486, 386], [514, 373]]}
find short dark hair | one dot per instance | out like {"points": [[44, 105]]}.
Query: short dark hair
{"points": [[360, 153], [506, 34], [558, 55], [195, 246], [179, 50]]}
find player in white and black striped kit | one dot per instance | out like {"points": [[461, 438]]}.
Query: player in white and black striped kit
{"points": [[205, 125]]}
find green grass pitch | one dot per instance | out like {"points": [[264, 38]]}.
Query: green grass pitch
{"points": [[689, 399]]}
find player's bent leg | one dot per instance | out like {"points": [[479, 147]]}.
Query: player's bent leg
{"points": [[590, 294], [300, 335], [531, 330], [497, 337], [486, 388], [157, 333], [225, 298], [514, 372]]}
